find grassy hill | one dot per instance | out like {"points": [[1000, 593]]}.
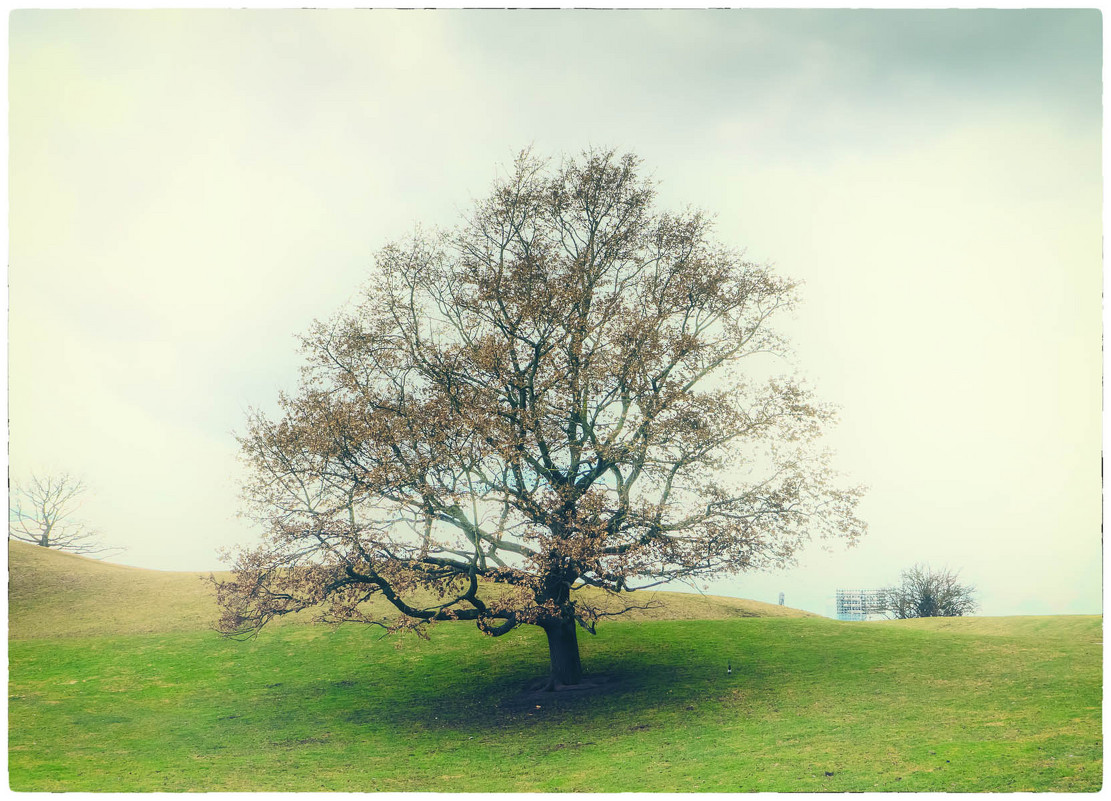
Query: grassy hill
{"points": [[55, 594], [147, 699]]}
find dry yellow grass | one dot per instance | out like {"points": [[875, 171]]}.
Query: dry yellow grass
{"points": [[55, 594]]}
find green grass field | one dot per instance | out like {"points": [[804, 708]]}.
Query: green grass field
{"points": [[116, 685]]}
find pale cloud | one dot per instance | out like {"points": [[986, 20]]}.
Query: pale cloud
{"points": [[189, 190], [953, 311]]}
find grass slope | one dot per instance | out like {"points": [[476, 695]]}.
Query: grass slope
{"points": [[812, 704], [54, 594]]}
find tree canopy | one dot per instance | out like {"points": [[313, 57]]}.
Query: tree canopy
{"points": [[923, 591], [571, 388]]}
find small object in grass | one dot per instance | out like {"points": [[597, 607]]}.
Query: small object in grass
{"points": [[728, 667], [829, 773]]}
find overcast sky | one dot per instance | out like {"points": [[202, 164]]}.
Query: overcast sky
{"points": [[190, 190]]}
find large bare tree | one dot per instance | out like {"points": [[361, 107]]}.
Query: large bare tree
{"points": [[42, 509], [571, 389]]}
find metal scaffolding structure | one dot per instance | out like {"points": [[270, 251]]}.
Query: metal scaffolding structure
{"points": [[859, 604]]}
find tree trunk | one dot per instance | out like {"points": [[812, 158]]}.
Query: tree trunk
{"points": [[563, 650]]}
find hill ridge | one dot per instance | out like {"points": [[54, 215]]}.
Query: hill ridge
{"points": [[57, 594]]}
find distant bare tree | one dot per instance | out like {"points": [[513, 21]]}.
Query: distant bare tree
{"points": [[41, 509], [925, 592]]}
